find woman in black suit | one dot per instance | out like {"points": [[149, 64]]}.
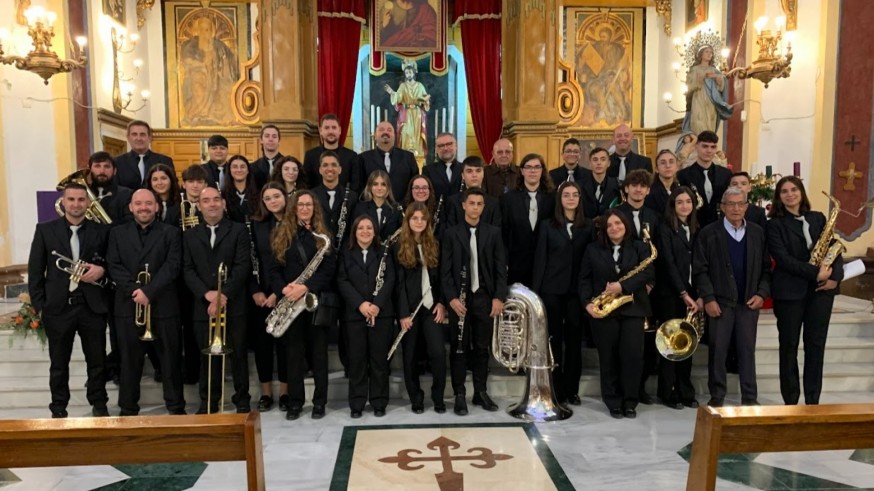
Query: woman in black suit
{"points": [[418, 253], [379, 204], [560, 245], [162, 181], [240, 191], [288, 171], [421, 190], [522, 210], [369, 314], [803, 293], [674, 290], [619, 335]]}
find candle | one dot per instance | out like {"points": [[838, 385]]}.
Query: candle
{"points": [[451, 119], [796, 169], [436, 123], [768, 171]]}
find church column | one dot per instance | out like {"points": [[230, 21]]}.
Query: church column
{"points": [[528, 74], [289, 72]]}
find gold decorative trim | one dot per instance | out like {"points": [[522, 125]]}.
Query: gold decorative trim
{"points": [[475, 17], [343, 15], [142, 7], [790, 8], [663, 8], [247, 93]]}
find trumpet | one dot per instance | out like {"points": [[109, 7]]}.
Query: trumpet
{"points": [[217, 334], [143, 313], [75, 269], [189, 218], [95, 211]]}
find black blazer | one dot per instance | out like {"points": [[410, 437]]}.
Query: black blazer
{"points": [[633, 161], [237, 211], [403, 168], [48, 285], [455, 253], [436, 172], [201, 265], [794, 278], [720, 177], [261, 169], [332, 215], [519, 239], [455, 213], [128, 170], [116, 201], [609, 191], [261, 235], [161, 249], [391, 218], [598, 268], [357, 281], [646, 216], [212, 173], [350, 169], [711, 265], [674, 264], [756, 214], [408, 293], [557, 258], [173, 215], [657, 200], [560, 174], [283, 274]]}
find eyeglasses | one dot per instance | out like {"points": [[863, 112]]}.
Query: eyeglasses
{"points": [[445, 145], [304, 205], [734, 204]]}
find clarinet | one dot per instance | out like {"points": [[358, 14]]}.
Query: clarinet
{"points": [[462, 297], [436, 220], [341, 222], [253, 255]]}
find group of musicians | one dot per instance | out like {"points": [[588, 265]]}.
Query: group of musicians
{"points": [[399, 258]]}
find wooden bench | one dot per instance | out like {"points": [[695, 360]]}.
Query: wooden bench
{"points": [[753, 429], [135, 440]]}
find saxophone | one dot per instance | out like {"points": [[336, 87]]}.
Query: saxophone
{"points": [[341, 222], [605, 303], [824, 251], [286, 311]]}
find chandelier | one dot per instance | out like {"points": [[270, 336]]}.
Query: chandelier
{"points": [[42, 59], [774, 58]]}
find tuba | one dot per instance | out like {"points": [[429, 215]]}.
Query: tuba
{"points": [[143, 313], [677, 339], [521, 339], [828, 247], [95, 212], [286, 311], [605, 303]]}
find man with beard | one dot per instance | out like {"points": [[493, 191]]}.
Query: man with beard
{"points": [[263, 167], [146, 244], [398, 163], [112, 197], [329, 132], [445, 173], [134, 165]]}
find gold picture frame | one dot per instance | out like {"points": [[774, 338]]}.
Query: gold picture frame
{"points": [[696, 12], [408, 26], [115, 9]]}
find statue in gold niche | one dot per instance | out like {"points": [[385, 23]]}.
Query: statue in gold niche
{"points": [[412, 102]]}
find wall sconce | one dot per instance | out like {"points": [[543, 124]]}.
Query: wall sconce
{"points": [[42, 59], [123, 96], [774, 59]]}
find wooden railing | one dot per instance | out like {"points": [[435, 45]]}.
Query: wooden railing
{"points": [[135, 440], [753, 429]]}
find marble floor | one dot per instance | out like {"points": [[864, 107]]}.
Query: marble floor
{"points": [[594, 451]]}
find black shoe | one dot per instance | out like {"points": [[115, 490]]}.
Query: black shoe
{"points": [[177, 412], [59, 413], [715, 402], [100, 411], [318, 412], [616, 413], [575, 400], [201, 410], [460, 406], [379, 413], [630, 413], [751, 402], [418, 408], [265, 403], [124, 413], [672, 404], [644, 398], [283, 402], [439, 407], [159, 377], [482, 399], [292, 414], [356, 414], [693, 403], [243, 409]]}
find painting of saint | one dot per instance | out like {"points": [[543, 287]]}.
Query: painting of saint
{"points": [[408, 25], [696, 12], [604, 71]]}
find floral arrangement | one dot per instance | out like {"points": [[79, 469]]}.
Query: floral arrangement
{"points": [[26, 321]]}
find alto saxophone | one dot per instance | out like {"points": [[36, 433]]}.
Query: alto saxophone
{"points": [[286, 311], [824, 251], [341, 222], [605, 303]]}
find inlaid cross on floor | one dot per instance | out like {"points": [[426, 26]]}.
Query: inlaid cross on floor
{"points": [[851, 174], [448, 479]]}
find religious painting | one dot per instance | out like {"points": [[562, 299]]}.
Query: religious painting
{"points": [[696, 13], [205, 47], [603, 61], [115, 10], [411, 26]]}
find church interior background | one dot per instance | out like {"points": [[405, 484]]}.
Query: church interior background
{"points": [[534, 71]]}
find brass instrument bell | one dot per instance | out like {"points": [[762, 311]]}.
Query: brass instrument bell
{"points": [[143, 313], [95, 211], [216, 334], [677, 339]]}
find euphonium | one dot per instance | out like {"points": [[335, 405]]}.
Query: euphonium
{"points": [[605, 303], [286, 311], [677, 339], [188, 212], [95, 212], [521, 339], [143, 313], [216, 335], [824, 251]]}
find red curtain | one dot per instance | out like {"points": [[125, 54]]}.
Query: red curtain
{"points": [[339, 33], [481, 36]]}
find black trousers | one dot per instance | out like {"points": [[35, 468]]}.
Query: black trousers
{"points": [[675, 377], [168, 348], [368, 366], [265, 347], [620, 355], [475, 343], [302, 339], [426, 331], [190, 347], [813, 315], [740, 323], [238, 360], [61, 330], [564, 315]]}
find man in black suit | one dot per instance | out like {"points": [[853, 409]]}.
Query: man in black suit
{"points": [[599, 191], [706, 178], [149, 245], [754, 213], [623, 159], [732, 272], [216, 170], [571, 170], [475, 247], [69, 308], [218, 240], [263, 167], [400, 164], [334, 197], [112, 197], [664, 182], [472, 175], [134, 165], [329, 132], [445, 173]]}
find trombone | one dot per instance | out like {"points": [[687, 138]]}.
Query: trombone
{"points": [[143, 313], [216, 334], [75, 269], [189, 218]]}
